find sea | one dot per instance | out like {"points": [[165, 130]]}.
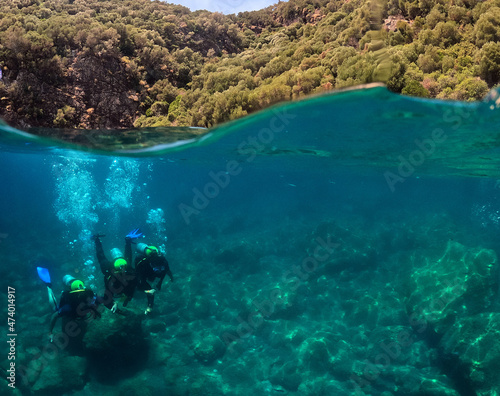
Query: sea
{"points": [[343, 244]]}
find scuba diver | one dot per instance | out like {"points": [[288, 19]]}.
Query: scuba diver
{"points": [[119, 276], [150, 265], [77, 303]]}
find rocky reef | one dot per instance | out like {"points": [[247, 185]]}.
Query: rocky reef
{"points": [[340, 308]]}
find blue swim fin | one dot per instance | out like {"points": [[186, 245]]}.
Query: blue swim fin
{"points": [[43, 273]]}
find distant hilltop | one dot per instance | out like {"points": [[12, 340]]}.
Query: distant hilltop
{"points": [[122, 63]]}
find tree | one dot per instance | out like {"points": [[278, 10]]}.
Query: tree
{"points": [[471, 88], [488, 27], [447, 33], [430, 60], [414, 88], [399, 65], [356, 70], [489, 64], [335, 58]]}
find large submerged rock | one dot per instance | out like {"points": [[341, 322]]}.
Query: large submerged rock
{"points": [[449, 301], [208, 348], [60, 375], [473, 341], [115, 344], [458, 284]]}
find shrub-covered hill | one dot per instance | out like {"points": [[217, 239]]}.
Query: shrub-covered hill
{"points": [[120, 63]]}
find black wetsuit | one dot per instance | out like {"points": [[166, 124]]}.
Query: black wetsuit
{"points": [[76, 308], [147, 269], [116, 282], [78, 304]]}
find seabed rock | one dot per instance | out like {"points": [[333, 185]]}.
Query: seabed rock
{"points": [[206, 385], [458, 284], [316, 354], [286, 376], [60, 375], [115, 345], [474, 341], [209, 348], [447, 301]]}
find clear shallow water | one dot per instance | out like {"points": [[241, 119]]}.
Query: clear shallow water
{"points": [[296, 236]]}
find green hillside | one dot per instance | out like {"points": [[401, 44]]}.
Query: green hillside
{"points": [[124, 63]]}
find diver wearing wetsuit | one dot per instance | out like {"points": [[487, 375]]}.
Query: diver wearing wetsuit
{"points": [[150, 265], [77, 303], [119, 276]]}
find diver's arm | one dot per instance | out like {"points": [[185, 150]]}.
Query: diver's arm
{"points": [[140, 267], [169, 273], [101, 258], [128, 251]]}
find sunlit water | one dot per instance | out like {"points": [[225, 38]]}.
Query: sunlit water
{"points": [[293, 235]]}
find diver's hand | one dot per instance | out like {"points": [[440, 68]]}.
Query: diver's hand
{"points": [[51, 337], [95, 237], [134, 234], [114, 307], [148, 310]]}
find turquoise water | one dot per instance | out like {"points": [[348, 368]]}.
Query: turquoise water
{"points": [[344, 244]]}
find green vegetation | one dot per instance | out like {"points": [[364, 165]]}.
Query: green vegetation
{"points": [[120, 63]]}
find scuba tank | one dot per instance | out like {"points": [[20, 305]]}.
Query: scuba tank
{"points": [[67, 279], [141, 247], [116, 254], [146, 250], [118, 259]]}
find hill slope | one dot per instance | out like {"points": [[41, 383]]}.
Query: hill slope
{"points": [[120, 63]]}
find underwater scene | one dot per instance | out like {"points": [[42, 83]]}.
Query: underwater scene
{"points": [[346, 244]]}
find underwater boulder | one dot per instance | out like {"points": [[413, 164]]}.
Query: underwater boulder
{"points": [[115, 344], [434, 387], [473, 344], [207, 385], [60, 375], [315, 354], [286, 375], [458, 284], [284, 333], [208, 348], [155, 326]]}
